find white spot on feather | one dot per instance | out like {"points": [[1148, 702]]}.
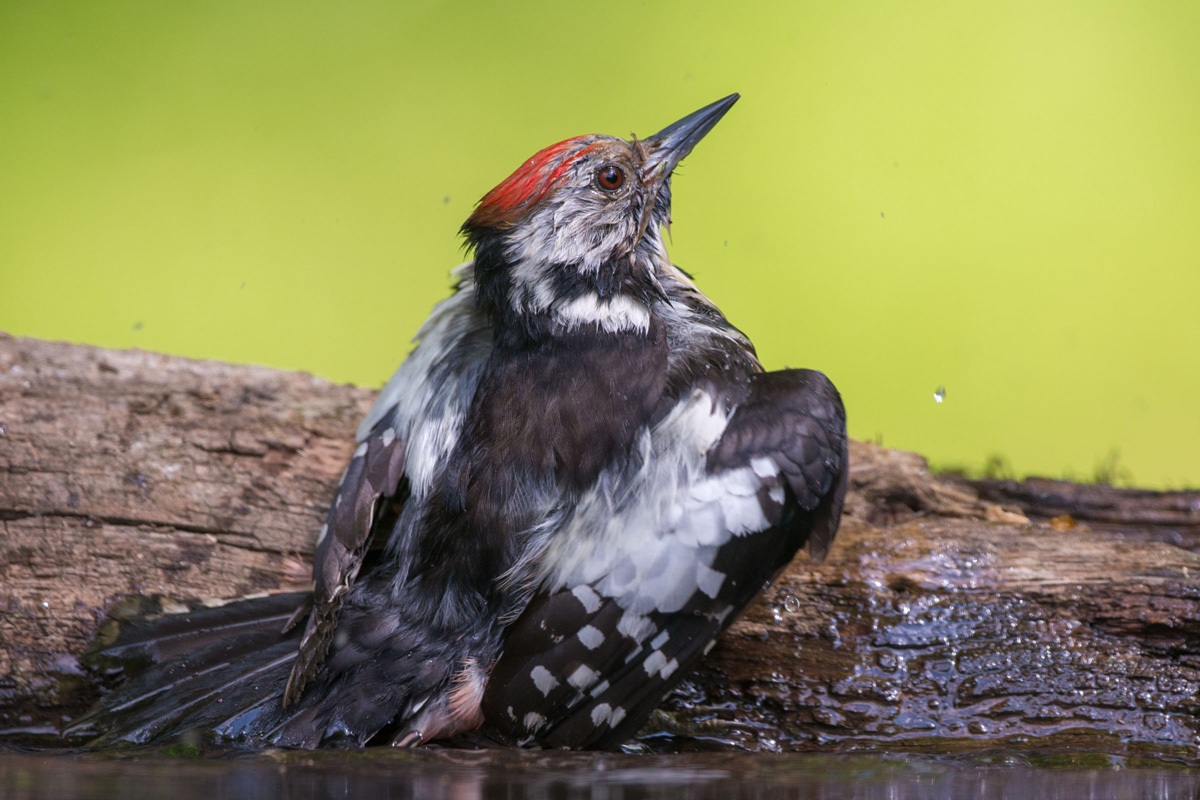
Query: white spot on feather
{"points": [[543, 680], [587, 598], [616, 716], [601, 713], [635, 626], [590, 636], [583, 677], [654, 662], [533, 720]]}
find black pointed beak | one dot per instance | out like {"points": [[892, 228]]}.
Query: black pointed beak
{"points": [[669, 146]]}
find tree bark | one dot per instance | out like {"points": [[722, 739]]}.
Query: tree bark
{"points": [[949, 615]]}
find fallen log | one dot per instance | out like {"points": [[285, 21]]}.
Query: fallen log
{"points": [[950, 614]]}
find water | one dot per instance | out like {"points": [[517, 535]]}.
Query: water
{"points": [[507, 775]]}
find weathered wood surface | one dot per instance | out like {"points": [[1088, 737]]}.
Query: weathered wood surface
{"points": [[949, 614]]}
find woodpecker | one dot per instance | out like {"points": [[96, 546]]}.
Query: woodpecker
{"points": [[580, 476]]}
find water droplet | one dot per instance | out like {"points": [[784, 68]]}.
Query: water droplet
{"points": [[940, 394], [978, 728], [776, 614], [45, 603], [887, 660], [791, 604]]}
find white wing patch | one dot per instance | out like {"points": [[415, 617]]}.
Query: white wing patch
{"points": [[649, 541]]}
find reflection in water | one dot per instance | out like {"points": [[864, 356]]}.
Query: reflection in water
{"points": [[457, 775]]}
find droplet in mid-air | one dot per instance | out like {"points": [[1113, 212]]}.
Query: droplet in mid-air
{"points": [[940, 394]]}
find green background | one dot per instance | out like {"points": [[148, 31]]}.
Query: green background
{"points": [[1001, 198]]}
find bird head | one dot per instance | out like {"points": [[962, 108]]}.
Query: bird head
{"points": [[573, 238]]}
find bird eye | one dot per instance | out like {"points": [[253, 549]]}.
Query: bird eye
{"points": [[610, 178]]}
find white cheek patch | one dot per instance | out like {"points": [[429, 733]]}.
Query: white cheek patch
{"points": [[574, 230]]}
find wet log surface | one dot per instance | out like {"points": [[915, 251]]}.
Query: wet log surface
{"points": [[949, 615]]}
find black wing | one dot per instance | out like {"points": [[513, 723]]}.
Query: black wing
{"points": [[585, 666], [373, 476], [795, 418]]}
